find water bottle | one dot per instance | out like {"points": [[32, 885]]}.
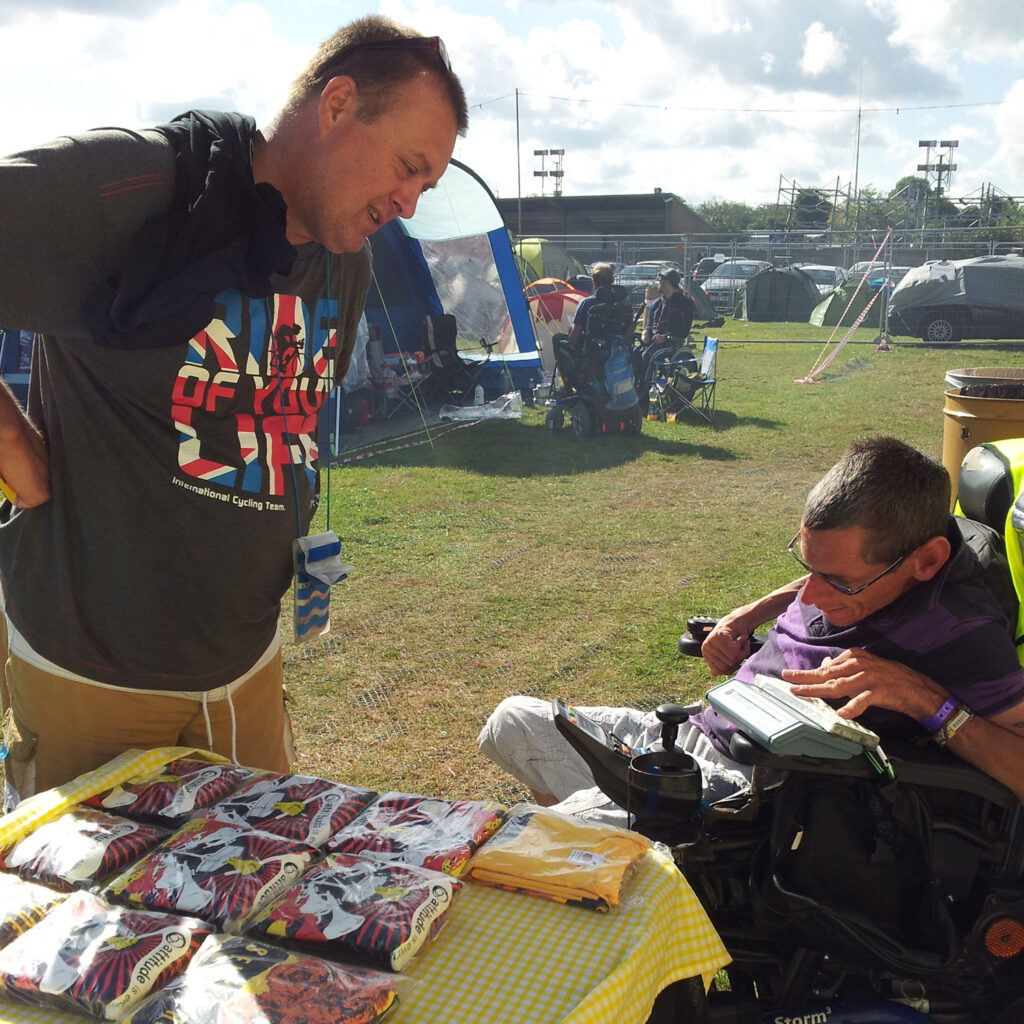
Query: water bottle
{"points": [[478, 395]]}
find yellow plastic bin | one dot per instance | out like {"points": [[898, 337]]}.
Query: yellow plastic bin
{"points": [[983, 404]]}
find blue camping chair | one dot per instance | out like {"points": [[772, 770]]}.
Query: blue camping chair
{"points": [[677, 388]]}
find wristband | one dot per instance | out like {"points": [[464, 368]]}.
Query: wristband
{"points": [[957, 721], [935, 722]]}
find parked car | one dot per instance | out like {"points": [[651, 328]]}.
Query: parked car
{"points": [[826, 279], [879, 276], [661, 265], [724, 285], [637, 277], [705, 267], [944, 302], [857, 270]]}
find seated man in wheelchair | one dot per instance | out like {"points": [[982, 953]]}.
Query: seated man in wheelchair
{"points": [[571, 354], [666, 328], [892, 619]]}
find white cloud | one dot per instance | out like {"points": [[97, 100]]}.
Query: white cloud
{"points": [[698, 105], [823, 51], [120, 70], [952, 31], [1009, 130]]}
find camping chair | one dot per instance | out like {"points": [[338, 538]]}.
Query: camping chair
{"points": [[677, 384], [701, 399], [393, 390], [451, 376], [672, 376]]}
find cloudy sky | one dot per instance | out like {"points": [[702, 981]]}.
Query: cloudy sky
{"points": [[714, 99]]}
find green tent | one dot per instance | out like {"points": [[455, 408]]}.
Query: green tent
{"points": [[537, 257], [828, 312], [780, 294], [705, 311]]}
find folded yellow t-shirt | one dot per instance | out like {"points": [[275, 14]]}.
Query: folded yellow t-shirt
{"points": [[559, 857]]}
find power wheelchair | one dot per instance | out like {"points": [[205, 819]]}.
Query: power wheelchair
{"points": [[593, 384], [843, 894]]}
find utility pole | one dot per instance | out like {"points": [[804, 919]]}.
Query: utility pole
{"points": [[519, 173]]}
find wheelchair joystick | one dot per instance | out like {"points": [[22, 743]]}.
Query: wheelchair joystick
{"points": [[665, 786], [671, 717]]}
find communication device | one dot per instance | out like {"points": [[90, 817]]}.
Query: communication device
{"points": [[767, 711]]}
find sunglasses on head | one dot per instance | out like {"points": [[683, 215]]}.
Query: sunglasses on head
{"points": [[428, 44]]}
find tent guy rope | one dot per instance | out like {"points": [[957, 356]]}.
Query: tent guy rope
{"points": [[823, 361]]}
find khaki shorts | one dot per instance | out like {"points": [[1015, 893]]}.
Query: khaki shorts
{"points": [[57, 728]]}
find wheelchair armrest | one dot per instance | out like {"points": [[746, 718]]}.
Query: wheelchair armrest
{"points": [[698, 627], [917, 764]]}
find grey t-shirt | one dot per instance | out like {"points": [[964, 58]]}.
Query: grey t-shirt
{"points": [[180, 475]]}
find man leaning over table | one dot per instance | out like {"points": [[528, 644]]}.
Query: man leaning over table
{"points": [[164, 270], [891, 620]]}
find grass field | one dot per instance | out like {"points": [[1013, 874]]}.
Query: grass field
{"points": [[498, 559]]}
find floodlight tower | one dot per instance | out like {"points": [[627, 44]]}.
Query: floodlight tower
{"points": [[942, 167], [556, 173]]}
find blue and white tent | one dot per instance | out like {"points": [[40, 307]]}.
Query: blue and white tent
{"points": [[454, 256]]}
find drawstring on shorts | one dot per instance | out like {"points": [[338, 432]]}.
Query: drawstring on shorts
{"points": [[234, 725]]}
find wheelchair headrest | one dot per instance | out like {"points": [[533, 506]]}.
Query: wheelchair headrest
{"points": [[985, 490], [993, 568]]}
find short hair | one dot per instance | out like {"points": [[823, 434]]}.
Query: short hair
{"points": [[896, 493], [378, 74], [602, 274]]}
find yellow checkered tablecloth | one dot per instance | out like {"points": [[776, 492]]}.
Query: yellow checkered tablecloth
{"points": [[501, 957]]}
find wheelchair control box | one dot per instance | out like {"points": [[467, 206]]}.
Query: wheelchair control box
{"points": [[605, 753], [661, 790]]}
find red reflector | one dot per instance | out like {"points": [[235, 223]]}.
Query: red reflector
{"points": [[1004, 937]]}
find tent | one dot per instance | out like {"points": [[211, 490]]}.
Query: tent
{"points": [[454, 256], [779, 294], [705, 311], [552, 313], [543, 285], [16, 361], [830, 311], [537, 257]]}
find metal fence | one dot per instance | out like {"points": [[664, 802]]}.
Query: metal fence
{"points": [[907, 247]]}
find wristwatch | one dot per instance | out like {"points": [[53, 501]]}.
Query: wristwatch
{"points": [[956, 721]]}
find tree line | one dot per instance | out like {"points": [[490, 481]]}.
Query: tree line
{"points": [[911, 203]]}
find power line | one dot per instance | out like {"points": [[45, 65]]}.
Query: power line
{"points": [[761, 110]]}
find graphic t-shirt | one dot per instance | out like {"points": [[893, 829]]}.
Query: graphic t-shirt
{"points": [[180, 475]]}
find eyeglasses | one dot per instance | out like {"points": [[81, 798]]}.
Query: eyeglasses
{"points": [[429, 44], [834, 584]]}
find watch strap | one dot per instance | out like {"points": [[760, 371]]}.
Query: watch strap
{"points": [[933, 723], [956, 722]]}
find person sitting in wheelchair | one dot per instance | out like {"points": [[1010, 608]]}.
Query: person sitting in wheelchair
{"points": [[666, 327], [571, 356], [891, 619]]}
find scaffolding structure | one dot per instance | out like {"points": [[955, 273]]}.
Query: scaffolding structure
{"points": [[988, 207], [802, 207]]}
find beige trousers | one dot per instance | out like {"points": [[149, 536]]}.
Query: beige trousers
{"points": [[57, 728]]}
